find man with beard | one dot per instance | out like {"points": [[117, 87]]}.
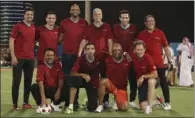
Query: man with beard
{"points": [[117, 69], [71, 30], [50, 79], [85, 73], [47, 36], [21, 44]]}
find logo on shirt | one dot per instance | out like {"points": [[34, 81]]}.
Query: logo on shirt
{"points": [[143, 67], [131, 32], [158, 38], [105, 30]]}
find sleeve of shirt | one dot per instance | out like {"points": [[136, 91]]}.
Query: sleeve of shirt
{"points": [[179, 48], [40, 74], [37, 33], [61, 73], [164, 42], [76, 66], [114, 34], [86, 33], [109, 33], [61, 29], [138, 37], [151, 65], [14, 32]]}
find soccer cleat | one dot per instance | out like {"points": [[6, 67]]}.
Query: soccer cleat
{"points": [[27, 106], [99, 109], [56, 107], [38, 110], [69, 111], [133, 104], [115, 107], [15, 108], [167, 106], [148, 110]]}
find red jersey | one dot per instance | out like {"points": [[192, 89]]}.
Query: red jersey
{"points": [[125, 37], [154, 42], [143, 65], [73, 33], [24, 40], [49, 76], [92, 69], [47, 39], [117, 72], [99, 37]]}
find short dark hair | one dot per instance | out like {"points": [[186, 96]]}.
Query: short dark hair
{"points": [[50, 12], [124, 12], [49, 49], [89, 43], [139, 42], [147, 16], [29, 9]]}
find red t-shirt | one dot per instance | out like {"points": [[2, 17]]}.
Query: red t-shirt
{"points": [[143, 65], [73, 33], [125, 37], [118, 72], [50, 76], [92, 69], [99, 37], [47, 39], [154, 42], [24, 40]]}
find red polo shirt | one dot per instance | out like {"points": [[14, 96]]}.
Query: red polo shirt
{"points": [[125, 37], [49, 76], [47, 39], [99, 37], [92, 69], [73, 33], [143, 65], [118, 72], [154, 42], [24, 40]]}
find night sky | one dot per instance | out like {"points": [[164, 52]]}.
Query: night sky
{"points": [[175, 18]]}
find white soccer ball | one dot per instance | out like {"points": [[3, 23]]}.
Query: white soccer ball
{"points": [[45, 109]]}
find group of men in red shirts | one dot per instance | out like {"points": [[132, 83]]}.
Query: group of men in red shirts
{"points": [[97, 57]]}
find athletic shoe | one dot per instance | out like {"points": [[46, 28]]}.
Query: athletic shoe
{"points": [[27, 106], [133, 104], [148, 110], [69, 111], [56, 107], [15, 108], [167, 106], [99, 109], [38, 109], [115, 107], [107, 105]]}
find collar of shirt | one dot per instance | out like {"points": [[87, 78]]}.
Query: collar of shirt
{"points": [[49, 66], [46, 26], [98, 25], [125, 27], [75, 21], [27, 24]]}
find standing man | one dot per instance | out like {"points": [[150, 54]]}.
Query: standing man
{"points": [[117, 69], [155, 39], [124, 33], [100, 35], [85, 74], [47, 36], [21, 44], [71, 31]]}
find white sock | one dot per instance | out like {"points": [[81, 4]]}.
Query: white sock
{"points": [[70, 106]]}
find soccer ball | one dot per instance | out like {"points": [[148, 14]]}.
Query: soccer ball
{"points": [[44, 109]]}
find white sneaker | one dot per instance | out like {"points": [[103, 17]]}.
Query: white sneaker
{"points": [[38, 110], [56, 107], [133, 104], [99, 109], [167, 106], [148, 110], [69, 111], [107, 105], [115, 107]]}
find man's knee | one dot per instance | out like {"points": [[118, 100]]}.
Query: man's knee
{"points": [[123, 106], [103, 82]]}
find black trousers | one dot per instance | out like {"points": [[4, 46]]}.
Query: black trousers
{"points": [[132, 83], [49, 93], [27, 65], [164, 84], [68, 61], [92, 92]]}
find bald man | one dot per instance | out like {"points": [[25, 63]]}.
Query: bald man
{"points": [[117, 69]]}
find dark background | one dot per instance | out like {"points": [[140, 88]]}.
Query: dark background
{"points": [[175, 18]]}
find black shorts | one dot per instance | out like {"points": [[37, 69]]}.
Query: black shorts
{"points": [[92, 92], [143, 90]]}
